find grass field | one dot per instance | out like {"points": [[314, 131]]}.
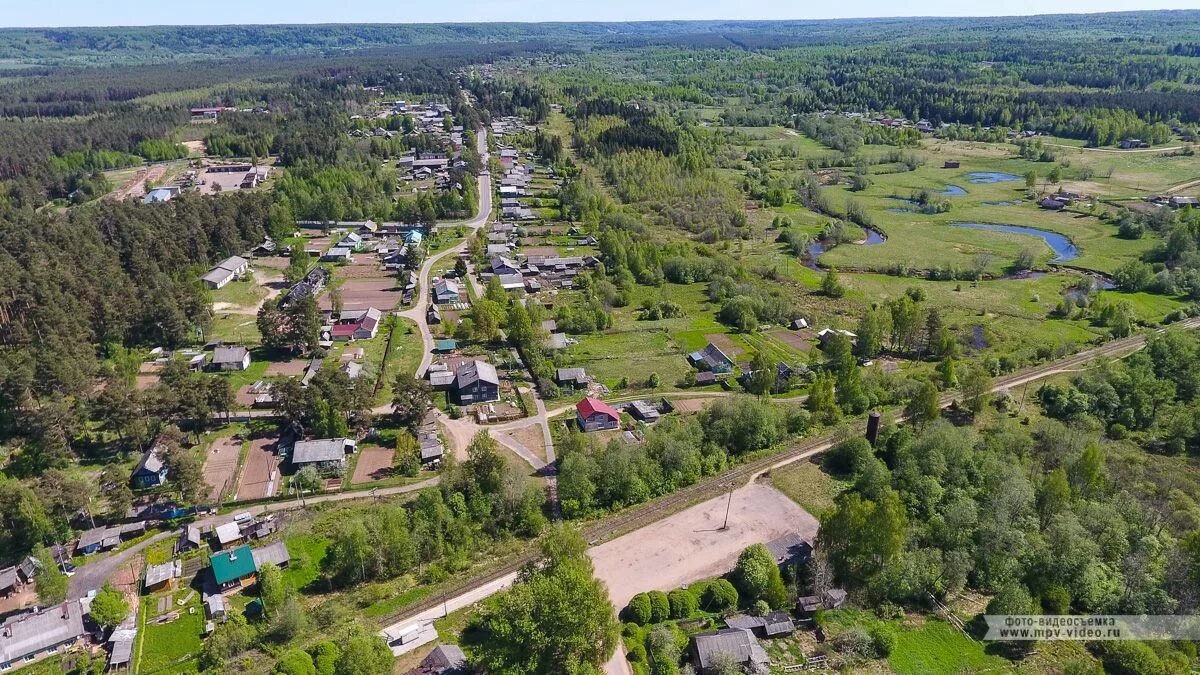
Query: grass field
{"points": [[244, 293], [172, 647], [307, 551], [807, 484]]}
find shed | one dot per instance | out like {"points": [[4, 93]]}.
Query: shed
{"points": [[275, 553]]}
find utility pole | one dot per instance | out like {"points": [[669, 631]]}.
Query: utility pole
{"points": [[1024, 389], [728, 503]]}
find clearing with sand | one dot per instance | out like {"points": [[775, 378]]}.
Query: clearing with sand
{"points": [[690, 545]]}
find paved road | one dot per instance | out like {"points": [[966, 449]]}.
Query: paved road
{"points": [[92, 575], [417, 312]]}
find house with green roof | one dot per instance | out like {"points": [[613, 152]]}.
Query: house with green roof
{"points": [[233, 568]]}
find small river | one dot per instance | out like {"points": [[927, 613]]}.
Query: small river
{"points": [[1064, 250]]}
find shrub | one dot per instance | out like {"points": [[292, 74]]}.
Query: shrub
{"points": [[639, 610], [660, 607], [683, 604], [854, 643], [637, 653], [1127, 657], [883, 639], [720, 595]]}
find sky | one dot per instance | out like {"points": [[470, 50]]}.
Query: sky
{"points": [[57, 13]]}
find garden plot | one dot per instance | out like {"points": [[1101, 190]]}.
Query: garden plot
{"points": [[261, 478], [220, 466]]}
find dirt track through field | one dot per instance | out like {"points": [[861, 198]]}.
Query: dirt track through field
{"points": [[136, 186], [690, 545]]}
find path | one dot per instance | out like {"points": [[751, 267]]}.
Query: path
{"points": [[1183, 186], [1116, 150]]}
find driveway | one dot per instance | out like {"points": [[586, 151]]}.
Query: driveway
{"points": [[92, 575]]}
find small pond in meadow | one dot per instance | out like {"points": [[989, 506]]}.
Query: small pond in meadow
{"points": [[983, 177], [1064, 250], [1005, 203], [953, 191]]}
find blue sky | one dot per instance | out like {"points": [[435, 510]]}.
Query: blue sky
{"points": [[152, 12]]}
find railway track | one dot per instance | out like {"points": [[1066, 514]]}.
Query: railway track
{"points": [[644, 514]]}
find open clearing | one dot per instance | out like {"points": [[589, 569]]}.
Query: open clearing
{"points": [[373, 464], [220, 465], [690, 546], [257, 481], [363, 293], [792, 339], [291, 368]]}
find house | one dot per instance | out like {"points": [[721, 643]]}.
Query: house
{"points": [[151, 470], [1179, 202], [357, 324], [233, 569], [769, 625], [950, 164], [445, 345], [441, 377], [337, 254], [432, 449], [325, 454], [476, 382], [120, 644], [739, 642], [164, 576], [711, 359], [1132, 143], [704, 378], [225, 271], [352, 241], [592, 414], [790, 550], [230, 358], [444, 660], [642, 410], [214, 607], [229, 533], [25, 638], [189, 539], [433, 315], [413, 238], [446, 291], [1052, 204], [162, 194], [9, 583], [831, 599], [511, 282], [107, 538], [275, 553], [574, 378], [825, 334], [352, 369], [502, 266], [798, 324]]}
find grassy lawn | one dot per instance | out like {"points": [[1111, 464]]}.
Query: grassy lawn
{"points": [[807, 484], [172, 647], [924, 646], [307, 551], [245, 293], [235, 329], [404, 356]]}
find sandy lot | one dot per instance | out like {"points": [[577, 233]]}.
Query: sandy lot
{"points": [[373, 464], [244, 397], [144, 382], [286, 368], [363, 293], [261, 477], [797, 341], [689, 546], [220, 465], [692, 405]]}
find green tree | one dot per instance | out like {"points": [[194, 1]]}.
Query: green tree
{"points": [[364, 652], [407, 459], [411, 399], [832, 286], [660, 606], [271, 588], [719, 595], [295, 662], [494, 292], [50, 582], [109, 607], [683, 603], [186, 474], [976, 385], [821, 398], [758, 576], [639, 610], [460, 268], [862, 537], [556, 619], [924, 406]]}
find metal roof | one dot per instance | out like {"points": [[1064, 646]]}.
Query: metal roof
{"points": [[323, 450]]}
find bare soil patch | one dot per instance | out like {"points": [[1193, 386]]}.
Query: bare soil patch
{"points": [[220, 465], [261, 478], [144, 382], [363, 293], [792, 339], [548, 251], [374, 463], [692, 405], [690, 546], [244, 397], [286, 368], [725, 343], [531, 437]]}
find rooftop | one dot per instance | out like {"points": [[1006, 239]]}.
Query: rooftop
{"points": [[232, 565]]}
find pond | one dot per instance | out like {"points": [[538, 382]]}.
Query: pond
{"points": [[818, 247], [953, 191], [1005, 203], [1064, 250], [983, 177]]}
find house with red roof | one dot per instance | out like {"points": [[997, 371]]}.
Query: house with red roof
{"points": [[592, 414], [362, 324]]}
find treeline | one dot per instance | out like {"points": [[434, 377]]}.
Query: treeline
{"points": [[677, 452]]}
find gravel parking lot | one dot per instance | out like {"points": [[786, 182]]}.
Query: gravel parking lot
{"points": [[690, 546]]}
